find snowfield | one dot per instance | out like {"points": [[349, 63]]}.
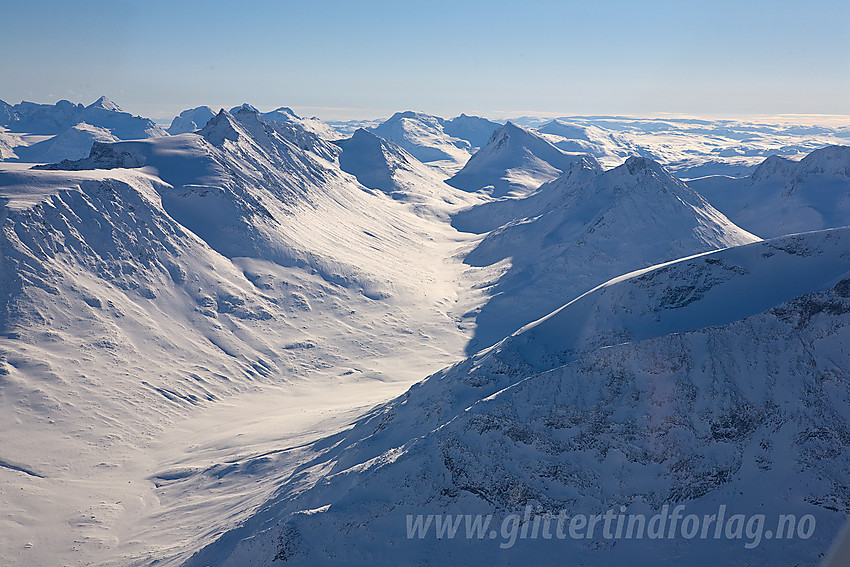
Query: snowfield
{"points": [[260, 339], [659, 387], [231, 262]]}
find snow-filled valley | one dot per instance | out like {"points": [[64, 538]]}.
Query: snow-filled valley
{"points": [[254, 338]]}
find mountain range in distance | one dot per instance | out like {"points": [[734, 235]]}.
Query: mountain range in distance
{"points": [[253, 338]]}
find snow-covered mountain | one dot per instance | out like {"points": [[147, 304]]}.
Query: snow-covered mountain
{"points": [[104, 103], [33, 118], [604, 145], [8, 143], [6, 113], [582, 229], [694, 147], [73, 143], [346, 128], [715, 380], [515, 160], [784, 196], [11, 143], [204, 337], [154, 279], [474, 129], [424, 137], [73, 127], [381, 165], [191, 120], [267, 133], [37, 118], [314, 125]]}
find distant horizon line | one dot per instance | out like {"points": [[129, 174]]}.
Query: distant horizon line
{"points": [[804, 118]]}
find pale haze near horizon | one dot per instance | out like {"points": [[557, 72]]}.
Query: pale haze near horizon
{"points": [[350, 60]]}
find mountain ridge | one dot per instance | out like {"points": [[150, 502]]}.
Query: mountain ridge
{"points": [[577, 231], [635, 414], [514, 160], [784, 196]]}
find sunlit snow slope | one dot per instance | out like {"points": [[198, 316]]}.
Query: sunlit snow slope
{"points": [[514, 161], [206, 337], [582, 229], [154, 280], [720, 379], [784, 196]]}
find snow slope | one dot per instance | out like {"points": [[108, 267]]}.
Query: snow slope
{"points": [[8, 143], [314, 125], [606, 146], [696, 147], [784, 196], [34, 118], [156, 280], [74, 143], [190, 120], [515, 160], [686, 392], [346, 128], [424, 137], [582, 229], [474, 129], [381, 165], [67, 131], [193, 329], [6, 112]]}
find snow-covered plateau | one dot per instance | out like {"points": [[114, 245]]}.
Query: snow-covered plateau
{"points": [[258, 339]]}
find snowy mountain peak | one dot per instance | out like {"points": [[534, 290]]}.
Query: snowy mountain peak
{"points": [[72, 144], [514, 160], [582, 169], [784, 196], [367, 148], [73, 128], [6, 113], [473, 129], [190, 120], [256, 134], [611, 148], [637, 165], [577, 231], [566, 130], [102, 156], [831, 160], [383, 166], [378, 163], [104, 103], [584, 162], [365, 138], [244, 108], [511, 128], [286, 111], [502, 135], [772, 166], [510, 132], [285, 115], [221, 127], [424, 137], [650, 179], [416, 116]]}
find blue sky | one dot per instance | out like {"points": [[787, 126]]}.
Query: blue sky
{"points": [[364, 59]]}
